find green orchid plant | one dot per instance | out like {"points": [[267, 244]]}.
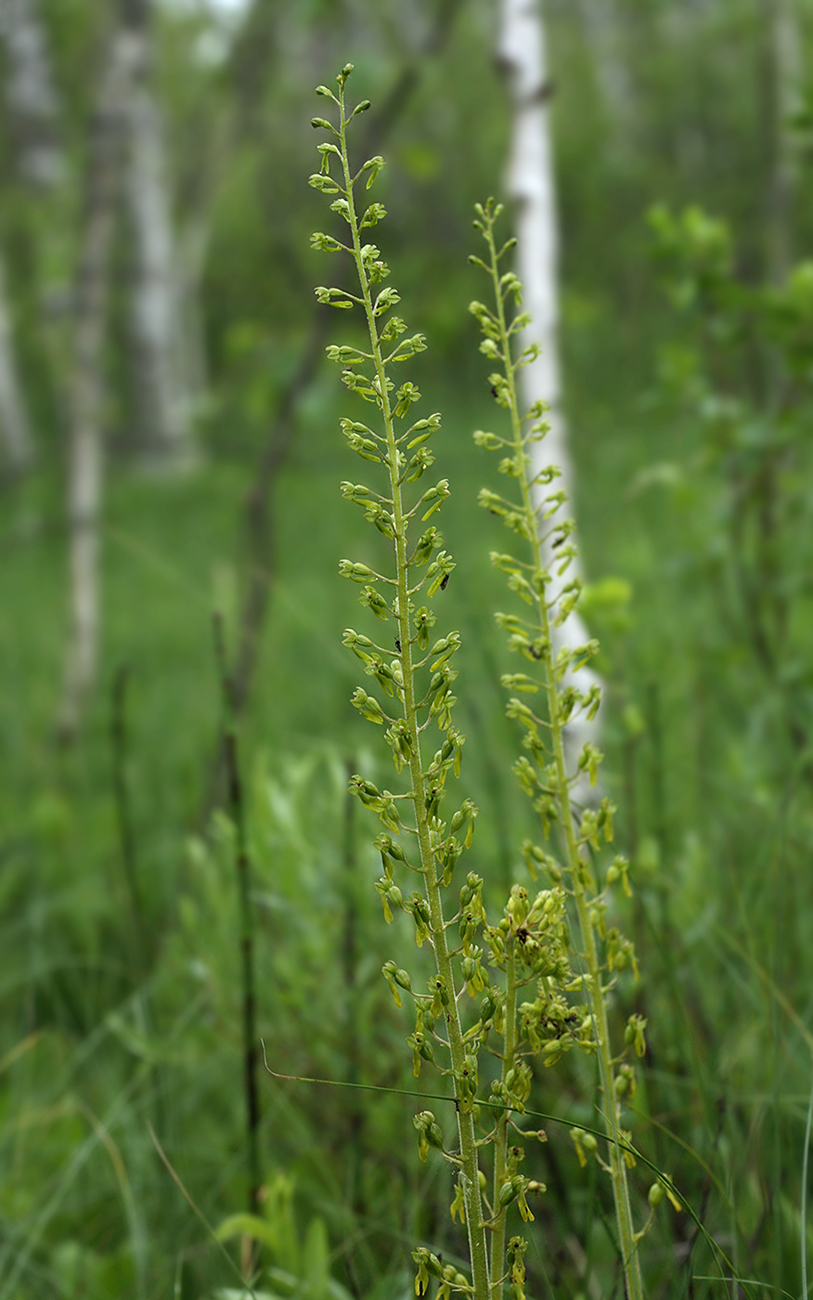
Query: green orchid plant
{"points": [[532, 983]]}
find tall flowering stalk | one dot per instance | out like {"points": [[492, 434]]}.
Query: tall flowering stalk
{"points": [[542, 772], [500, 993]]}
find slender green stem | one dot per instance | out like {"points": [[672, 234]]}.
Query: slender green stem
{"points": [[501, 1143], [249, 1008], [803, 1207], [468, 1147], [593, 975]]}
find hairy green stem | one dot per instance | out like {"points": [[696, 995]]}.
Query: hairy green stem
{"points": [[501, 1144], [468, 1148], [577, 867]]}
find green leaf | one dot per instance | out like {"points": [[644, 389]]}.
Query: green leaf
{"points": [[316, 1257], [248, 1225]]}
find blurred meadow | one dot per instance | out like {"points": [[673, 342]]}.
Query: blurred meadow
{"points": [[157, 314]]}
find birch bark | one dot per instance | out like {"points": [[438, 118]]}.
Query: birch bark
{"points": [[15, 433], [161, 394], [30, 93], [104, 163], [531, 186], [31, 104]]}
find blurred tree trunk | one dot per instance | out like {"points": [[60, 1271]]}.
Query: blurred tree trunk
{"points": [[104, 163], [162, 400], [15, 433], [31, 104], [783, 82], [531, 186], [192, 249], [30, 94]]}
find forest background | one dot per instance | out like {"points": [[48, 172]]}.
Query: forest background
{"points": [[156, 286]]}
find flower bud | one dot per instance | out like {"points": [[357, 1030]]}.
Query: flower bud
{"points": [[457, 821], [487, 1008], [518, 904]]}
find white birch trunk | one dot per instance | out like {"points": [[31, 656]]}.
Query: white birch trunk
{"points": [[532, 189], [15, 434], [162, 395], [30, 93], [86, 383], [32, 113]]}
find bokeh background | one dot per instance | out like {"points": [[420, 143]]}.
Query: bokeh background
{"points": [[158, 328]]}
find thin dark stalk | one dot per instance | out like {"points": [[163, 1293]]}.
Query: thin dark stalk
{"points": [[704, 1204], [119, 747], [236, 806], [139, 936]]}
